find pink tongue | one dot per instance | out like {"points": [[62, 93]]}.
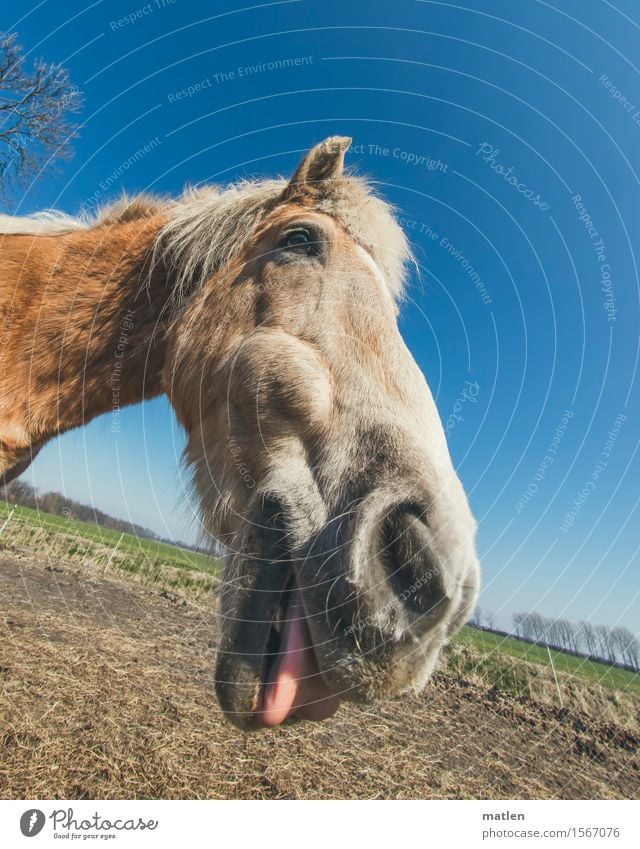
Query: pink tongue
{"points": [[294, 685]]}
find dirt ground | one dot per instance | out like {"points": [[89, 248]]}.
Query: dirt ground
{"points": [[106, 692]]}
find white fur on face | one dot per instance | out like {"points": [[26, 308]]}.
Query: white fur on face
{"points": [[377, 274]]}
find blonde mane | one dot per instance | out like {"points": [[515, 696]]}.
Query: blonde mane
{"points": [[52, 222], [205, 228]]}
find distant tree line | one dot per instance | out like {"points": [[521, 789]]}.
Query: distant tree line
{"points": [[23, 493], [617, 646], [599, 642]]}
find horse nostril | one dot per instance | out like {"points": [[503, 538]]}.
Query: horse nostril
{"points": [[412, 568]]}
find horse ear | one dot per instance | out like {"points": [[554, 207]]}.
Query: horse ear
{"points": [[325, 161]]}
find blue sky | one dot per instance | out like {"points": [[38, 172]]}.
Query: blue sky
{"points": [[508, 134]]}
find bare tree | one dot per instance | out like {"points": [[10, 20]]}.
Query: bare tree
{"points": [[476, 619], [34, 109], [517, 619], [20, 492], [523, 625], [588, 637], [537, 625], [626, 645], [490, 619], [526, 625], [554, 632], [606, 647], [567, 634], [633, 649]]}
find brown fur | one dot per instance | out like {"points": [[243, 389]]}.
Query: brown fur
{"points": [[65, 301]]}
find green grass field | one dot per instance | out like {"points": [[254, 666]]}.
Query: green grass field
{"points": [[489, 644], [68, 538]]}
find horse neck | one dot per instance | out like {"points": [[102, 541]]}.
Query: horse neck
{"points": [[84, 327]]}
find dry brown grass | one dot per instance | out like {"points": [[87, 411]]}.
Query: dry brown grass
{"points": [[105, 692], [594, 702]]}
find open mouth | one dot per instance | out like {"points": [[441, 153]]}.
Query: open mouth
{"points": [[267, 669], [292, 685]]}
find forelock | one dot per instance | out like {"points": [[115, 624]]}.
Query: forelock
{"points": [[207, 228]]}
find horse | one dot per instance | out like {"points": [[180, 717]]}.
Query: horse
{"points": [[267, 311]]}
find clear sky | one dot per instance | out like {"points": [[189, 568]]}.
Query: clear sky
{"points": [[509, 136]]}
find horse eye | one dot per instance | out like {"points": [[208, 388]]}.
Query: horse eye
{"points": [[297, 239], [300, 237]]}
